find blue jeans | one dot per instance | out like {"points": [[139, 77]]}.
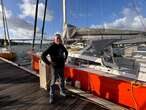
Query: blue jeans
{"points": [[58, 73]]}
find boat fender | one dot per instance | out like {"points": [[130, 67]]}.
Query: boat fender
{"points": [[77, 84]]}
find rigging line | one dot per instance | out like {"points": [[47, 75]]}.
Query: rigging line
{"points": [[87, 22], [87, 6], [72, 13], [138, 13], [101, 14], [70, 9], [35, 24], [6, 24], [44, 19], [60, 7]]}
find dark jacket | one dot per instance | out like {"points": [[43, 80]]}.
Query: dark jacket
{"points": [[58, 55]]}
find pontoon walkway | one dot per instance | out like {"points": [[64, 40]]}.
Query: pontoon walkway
{"points": [[19, 90]]}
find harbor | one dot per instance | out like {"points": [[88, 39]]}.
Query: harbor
{"points": [[103, 55]]}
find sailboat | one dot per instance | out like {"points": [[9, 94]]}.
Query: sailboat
{"points": [[6, 51], [92, 63]]}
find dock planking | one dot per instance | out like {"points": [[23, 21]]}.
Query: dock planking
{"points": [[19, 90]]}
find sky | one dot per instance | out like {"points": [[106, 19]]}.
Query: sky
{"points": [[114, 14]]}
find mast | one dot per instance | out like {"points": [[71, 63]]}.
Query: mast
{"points": [[44, 18], [64, 21], [35, 24], [5, 25], [7, 29], [64, 14]]}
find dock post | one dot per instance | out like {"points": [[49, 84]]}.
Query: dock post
{"points": [[45, 75]]}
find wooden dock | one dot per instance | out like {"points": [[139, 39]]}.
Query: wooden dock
{"points": [[20, 90]]}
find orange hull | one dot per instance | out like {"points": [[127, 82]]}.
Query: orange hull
{"points": [[8, 56], [116, 90], [119, 91]]}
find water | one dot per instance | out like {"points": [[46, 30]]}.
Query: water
{"points": [[23, 56]]}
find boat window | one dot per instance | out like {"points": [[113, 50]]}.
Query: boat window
{"points": [[82, 62]]}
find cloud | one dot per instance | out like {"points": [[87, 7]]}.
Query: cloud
{"points": [[28, 9], [20, 33], [15, 24], [129, 20], [18, 28], [79, 15]]}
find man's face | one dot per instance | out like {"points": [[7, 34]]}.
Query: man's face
{"points": [[57, 40]]}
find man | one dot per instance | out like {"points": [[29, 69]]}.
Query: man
{"points": [[58, 55]]}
